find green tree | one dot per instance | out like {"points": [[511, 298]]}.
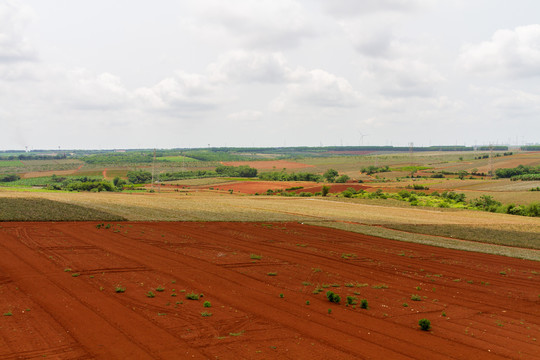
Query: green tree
{"points": [[330, 175], [325, 190]]}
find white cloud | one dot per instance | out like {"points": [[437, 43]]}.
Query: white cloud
{"points": [[262, 24], [244, 66], [245, 116], [509, 52], [350, 8], [13, 45], [317, 88], [84, 90], [182, 92]]}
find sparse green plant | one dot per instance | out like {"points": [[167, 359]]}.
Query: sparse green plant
{"points": [[351, 300], [424, 324], [329, 311], [316, 270], [272, 274], [9, 313], [67, 270], [405, 305], [380, 286], [206, 314], [160, 289], [207, 304], [237, 334], [363, 304], [307, 302], [281, 295], [150, 294], [332, 297], [119, 289], [306, 283], [416, 297], [192, 296], [443, 314], [76, 274], [255, 257]]}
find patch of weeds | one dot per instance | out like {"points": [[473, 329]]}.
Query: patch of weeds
{"points": [[325, 286], [470, 282], [9, 313], [348, 256], [307, 302], [238, 333], [502, 272], [160, 289], [380, 286], [255, 257], [119, 289], [173, 281], [161, 314], [306, 283], [301, 245], [499, 323], [206, 314], [281, 295], [363, 304], [317, 290], [443, 314], [272, 274], [361, 285], [424, 324], [329, 311], [416, 297], [316, 270], [192, 296], [356, 292], [207, 304], [456, 280], [150, 294], [76, 274], [405, 305], [332, 297], [349, 285], [418, 288], [351, 300], [67, 270]]}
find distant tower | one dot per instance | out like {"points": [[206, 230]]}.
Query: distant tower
{"points": [[411, 148]]}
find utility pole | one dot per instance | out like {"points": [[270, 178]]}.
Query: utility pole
{"points": [[153, 168]]}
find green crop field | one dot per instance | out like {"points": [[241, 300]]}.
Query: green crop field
{"points": [[177, 159], [11, 163], [21, 209]]}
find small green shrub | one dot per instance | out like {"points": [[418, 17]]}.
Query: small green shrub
{"points": [[150, 294], [425, 324], [160, 289], [307, 302], [206, 314], [207, 304], [255, 257], [272, 274], [363, 304], [351, 300], [335, 298], [416, 297], [192, 296], [119, 289], [281, 296]]}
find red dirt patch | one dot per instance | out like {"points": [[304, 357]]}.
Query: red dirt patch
{"points": [[276, 165], [58, 281]]}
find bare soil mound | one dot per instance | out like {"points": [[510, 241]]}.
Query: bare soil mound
{"points": [[73, 291]]}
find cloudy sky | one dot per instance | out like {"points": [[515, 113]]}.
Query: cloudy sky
{"points": [[105, 74]]}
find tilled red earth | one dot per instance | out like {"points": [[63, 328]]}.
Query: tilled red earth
{"points": [[266, 284]]}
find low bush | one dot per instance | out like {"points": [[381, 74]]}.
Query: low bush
{"points": [[424, 324], [335, 298]]}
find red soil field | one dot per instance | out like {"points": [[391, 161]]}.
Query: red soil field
{"points": [[58, 298], [275, 165]]}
